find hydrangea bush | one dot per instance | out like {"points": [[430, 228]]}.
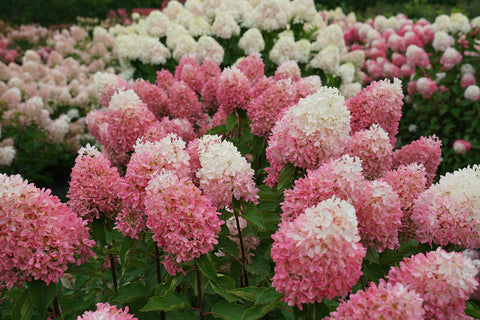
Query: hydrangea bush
{"points": [[248, 160]]}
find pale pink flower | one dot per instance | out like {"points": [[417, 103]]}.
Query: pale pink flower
{"points": [[94, 186], [318, 255], [234, 90], [468, 79], [148, 158], [387, 300], [341, 178], [153, 96], [107, 85], [307, 86], [184, 103], [472, 93], [252, 67], [381, 103], [398, 59], [426, 150], [450, 58], [310, 133], [40, 234], [98, 126], [189, 72], [461, 146], [408, 181], [448, 212], [373, 147], [417, 57], [184, 222], [107, 312], [288, 70], [426, 87], [444, 280]]}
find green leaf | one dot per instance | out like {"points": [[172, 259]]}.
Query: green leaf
{"points": [[231, 121], [267, 194], [253, 313], [268, 295], [247, 293], [285, 179], [218, 130], [23, 308], [228, 310], [129, 293], [125, 247], [169, 302], [41, 295], [472, 310], [252, 214], [220, 289], [206, 266], [372, 256], [98, 231]]}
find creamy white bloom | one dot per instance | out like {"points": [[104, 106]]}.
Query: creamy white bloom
{"points": [[251, 41], [331, 35], [346, 71], [225, 26], [472, 93], [328, 59], [186, 45], [442, 41], [349, 90], [442, 23], [458, 23], [209, 48], [284, 48], [303, 10], [174, 33], [210, 7], [58, 128], [357, 57], [7, 154], [127, 46], [156, 24], [475, 22], [152, 51], [271, 15], [199, 27], [303, 47], [240, 10]]}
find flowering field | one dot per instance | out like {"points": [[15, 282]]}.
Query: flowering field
{"points": [[252, 159]]}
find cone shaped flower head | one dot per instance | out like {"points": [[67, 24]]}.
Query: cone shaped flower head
{"points": [[341, 178], [381, 103], [94, 186], [318, 255], [391, 301], [148, 158], [310, 133], [40, 235], [234, 90], [224, 173], [443, 279], [184, 222], [448, 212], [107, 312]]}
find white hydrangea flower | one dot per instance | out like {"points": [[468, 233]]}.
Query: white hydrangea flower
{"points": [[58, 128], [172, 9], [442, 23], [331, 35], [303, 10], [284, 49], [303, 47], [225, 26], [156, 24], [240, 10], [209, 48], [210, 7], [459, 23], [475, 22], [174, 33], [7, 154], [346, 71], [199, 27], [251, 41], [271, 15], [467, 68], [472, 93], [350, 90], [184, 17], [152, 51], [127, 46], [186, 45], [357, 57], [442, 41], [328, 59]]}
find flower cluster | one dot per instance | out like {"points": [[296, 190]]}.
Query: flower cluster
{"points": [[106, 311]]}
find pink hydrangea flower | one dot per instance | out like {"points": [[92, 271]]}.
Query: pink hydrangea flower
{"points": [[461, 146], [444, 280], [408, 181], [468, 79], [148, 158], [94, 186], [373, 147], [307, 86], [184, 222], [448, 212], [153, 96], [40, 234], [234, 90], [224, 173], [107, 84], [426, 150], [310, 133], [209, 95], [181, 127], [288, 70], [341, 178], [426, 87], [107, 312], [417, 57], [318, 255], [252, 67], [165, 79], [97, 125], [184, 103], [381, 103], [387, 300], [264, 110], [450, 58], [379, 216], [188, 70]]}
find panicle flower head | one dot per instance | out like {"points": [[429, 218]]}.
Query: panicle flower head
{"points": [[184, 222], [270, 15], [310, 133], [40, 234], [408, 181], [107, 312], [381, 103], [209, 94], [472, 93], [442, 41], [373, 147], [426, 150], [468, 79], [184, 102], [379, 216], [234, 90], [181, 127], [341, 178], [94, 186], [426, 87], [450, 58], [224, 26], [448, 212], [318, 255], [252, 67], [461, 146], [148, 158], [224, 172], [395, 300], [417, 57], [153, 96], [252, 41], [327, 60], [209, 49], [269, 106], [443, 279], [107, 84], [284, 48], [188, 71], [308, 85], [288, 70]]}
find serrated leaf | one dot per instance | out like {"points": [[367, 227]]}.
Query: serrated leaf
{"points": [[231, 121], [206, 266], [285, 179], [253, 313], [220, 290], [268, 295], [125, 247], [228, 310], [218, 130], [247, 293], [253, 216], [41, 295], [267, 194], [169, 302]]}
